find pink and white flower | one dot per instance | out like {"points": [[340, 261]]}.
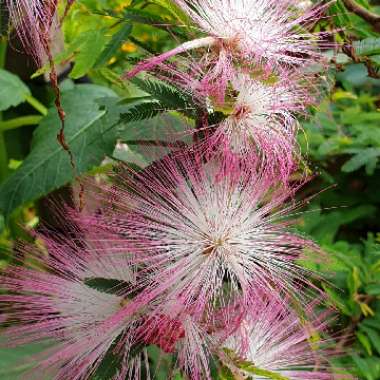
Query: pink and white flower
{"points": [[53, 301], [200, 235], [276, 339], [262, 126], [264, 32], [33, 21]]}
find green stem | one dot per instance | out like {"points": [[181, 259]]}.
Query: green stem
{"points": [[37, 105], [20, 122], [3, 158], [3, 51]]}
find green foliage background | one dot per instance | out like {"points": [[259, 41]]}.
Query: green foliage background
{"points": [[341, 142]]}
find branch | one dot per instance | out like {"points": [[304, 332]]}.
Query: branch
{"points": [[365, 14]]}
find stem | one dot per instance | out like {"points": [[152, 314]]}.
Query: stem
{"points": [[164, 144], [157, 60], [37, 105], [365, 14], [3, 51], [3, 158], [20, 122]]}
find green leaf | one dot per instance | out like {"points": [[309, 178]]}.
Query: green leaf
{"points": [[12, 90], [149, 18], [248, 367], [226, 374], [15, 361], [368, 46], [353, 281], [252, 369], [176, 11], [373, 336], [364, 157], [366, 367], [109, 366], [373, 289], [90, 134], [105, 285], [171, 97], [365, 342], [111, 49], [91, 47], [142, 111], [338, 11]]}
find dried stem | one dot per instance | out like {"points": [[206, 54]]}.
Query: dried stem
{"points": [[69, 4], [365, 14]]}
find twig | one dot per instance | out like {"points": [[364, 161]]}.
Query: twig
{"points": [[365, 14], [349, 50], [164, 144]]}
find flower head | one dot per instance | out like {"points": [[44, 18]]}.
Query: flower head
{"points": [[262, 125], [257, 29], [33, 21], [201, 236], [249, 32], [55, 300], [278, 341]]}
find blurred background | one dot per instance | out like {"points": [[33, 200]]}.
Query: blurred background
{"points": [[98, 41]]}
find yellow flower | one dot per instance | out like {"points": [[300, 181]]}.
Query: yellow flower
{"points": [[128, 47], [123, 5]]}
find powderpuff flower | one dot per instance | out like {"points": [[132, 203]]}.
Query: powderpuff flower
{"points": [[264, 32], [201, 236], [275, 342], [262, 124], [53, 298], [70, 294], [34, 21]]}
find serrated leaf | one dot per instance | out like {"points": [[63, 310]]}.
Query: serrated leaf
{"points": [[144, 17], [373, 336], [373, 290], [364, 157], [142, 111], [13, 91], [339, 12], [111, 48], [364, 367], [368, 46], [89, 133], [171, 97]]}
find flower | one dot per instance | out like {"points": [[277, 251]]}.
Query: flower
{"points": [[276, 340], [203, 237], [268, 29], [65, 295], [264, 32], [262, 124], [73, 295], [33, 21]]}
